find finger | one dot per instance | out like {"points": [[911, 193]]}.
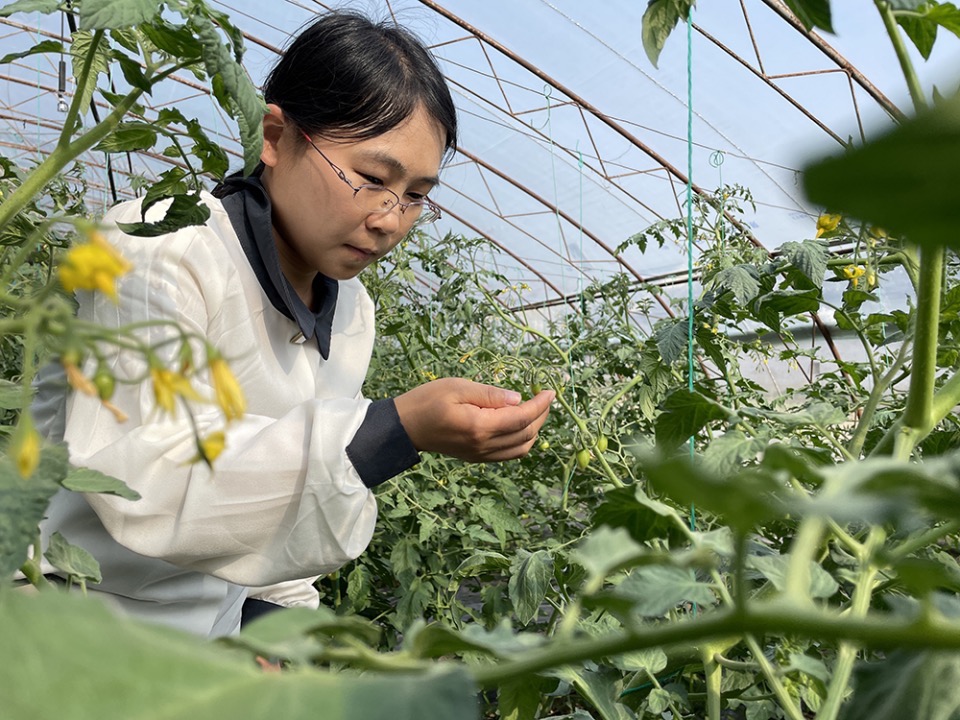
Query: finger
{"points": [[489, 396], [518, 443], [509, 420]]}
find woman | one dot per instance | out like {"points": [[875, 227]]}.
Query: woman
{"points": [[359, 119]]}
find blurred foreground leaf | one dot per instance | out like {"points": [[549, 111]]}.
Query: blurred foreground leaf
{"points": [[128, 671]]}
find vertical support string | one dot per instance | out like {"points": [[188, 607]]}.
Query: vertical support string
{"points": [[690, 313]]}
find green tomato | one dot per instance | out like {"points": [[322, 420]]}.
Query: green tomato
{"points": [[602, 443], [535, 388], [544, 445], [105, 384], [583, 458]]}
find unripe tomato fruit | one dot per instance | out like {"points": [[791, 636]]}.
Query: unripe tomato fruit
{"points": [[544, 445], [583, 458], [535, 388], [105, 384], [602, 443]]}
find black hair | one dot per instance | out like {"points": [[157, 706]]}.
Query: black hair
{"points": [[347, 77]]}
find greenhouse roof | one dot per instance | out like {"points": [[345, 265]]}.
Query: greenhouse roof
{"points": [[572, 141]]}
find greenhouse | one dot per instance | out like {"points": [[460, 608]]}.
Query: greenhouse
{"points": [[443, 359]]}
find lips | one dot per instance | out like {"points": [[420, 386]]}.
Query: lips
{"points": [[363, 252]]}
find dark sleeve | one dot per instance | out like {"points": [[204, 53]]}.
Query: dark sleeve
{"points": [[381, 448]]}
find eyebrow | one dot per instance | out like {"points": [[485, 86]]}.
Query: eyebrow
{"points": [[390, 161]]}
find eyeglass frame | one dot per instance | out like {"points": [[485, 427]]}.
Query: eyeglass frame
{"points": [[425, 204]]}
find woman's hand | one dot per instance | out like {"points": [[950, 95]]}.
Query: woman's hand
{"points": [[471, 421]]}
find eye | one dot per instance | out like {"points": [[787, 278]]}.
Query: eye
{"points": [[370, 179], [416, 197]]}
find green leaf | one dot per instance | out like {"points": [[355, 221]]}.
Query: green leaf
{"points": [[45, 46], [812, 13], [24, 502], [750, 497], [902, 181], [436, 640], [11, 396], [44, 7], [80, 46], [529, 583], [921, 31], [128, 136], [81, 479], [518, 699], [728, 452], [238, 96], [672, 337], [74, 561], [643, 518], [184, 211], [907, 686], [651, 660], [133, 73], [659, 20], [175, 40], [809, 257], [774, 568], [817, 414], [597, 688], [606, 550], [741, 280], [777, 303], [655, 590], [684, 414], [169, 184], [482, 562], [110, 14], [139, 672]]}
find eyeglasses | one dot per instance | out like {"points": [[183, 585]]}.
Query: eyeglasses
{"points": [[373, 198]]}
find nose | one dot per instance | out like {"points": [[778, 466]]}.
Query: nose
{"points": [[388, 222]]}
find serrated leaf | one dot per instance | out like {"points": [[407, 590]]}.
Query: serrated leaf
{"points": [[518, 699], [727, 453], [907, 686], [529, 582], [24, 502], [659, 20], [436, 640], [740, 280], [655, 590], [684, 414], [44, 7], [598, 689], [175, 40], [775, 567], [902, 181], [183, 211], [138, 671], [482, 562], [80, 46], [605, 550], [45, 46], [87, 480], [812, 13], [672, 338], [809, 257], [771, 306], [111, 14], [129, 136], [74, 561], [921, 32], [643, 518], [651, 660], [817, 414], [242, 100]]}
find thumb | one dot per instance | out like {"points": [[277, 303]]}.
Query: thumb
{"points": [[490, 396]]}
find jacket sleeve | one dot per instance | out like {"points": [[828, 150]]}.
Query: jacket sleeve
{"points": [[283, 500]]}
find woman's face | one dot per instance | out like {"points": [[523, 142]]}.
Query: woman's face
{"points": [[317, 225]]}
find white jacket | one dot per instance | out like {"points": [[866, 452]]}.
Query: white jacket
{"points": [[283, 500]]}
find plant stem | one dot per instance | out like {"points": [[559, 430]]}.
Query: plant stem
{"points": [[776, 618], [918, 411], [847, 652], [855, 446], [909, 74], [713, 675], [802, 552]]}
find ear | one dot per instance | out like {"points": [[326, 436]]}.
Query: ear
{"points": [[273, 126]]}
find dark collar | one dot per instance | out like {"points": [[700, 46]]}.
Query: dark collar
{"points": [[248, 207]]}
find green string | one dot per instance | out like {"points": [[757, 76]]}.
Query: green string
{"points": [[690, 336]]}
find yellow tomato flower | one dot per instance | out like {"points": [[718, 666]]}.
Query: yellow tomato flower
{"points": [[25, 447], [827, 223], [229, 395], [167, 384], [210, 447], [93, 265], [852, 272]]}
